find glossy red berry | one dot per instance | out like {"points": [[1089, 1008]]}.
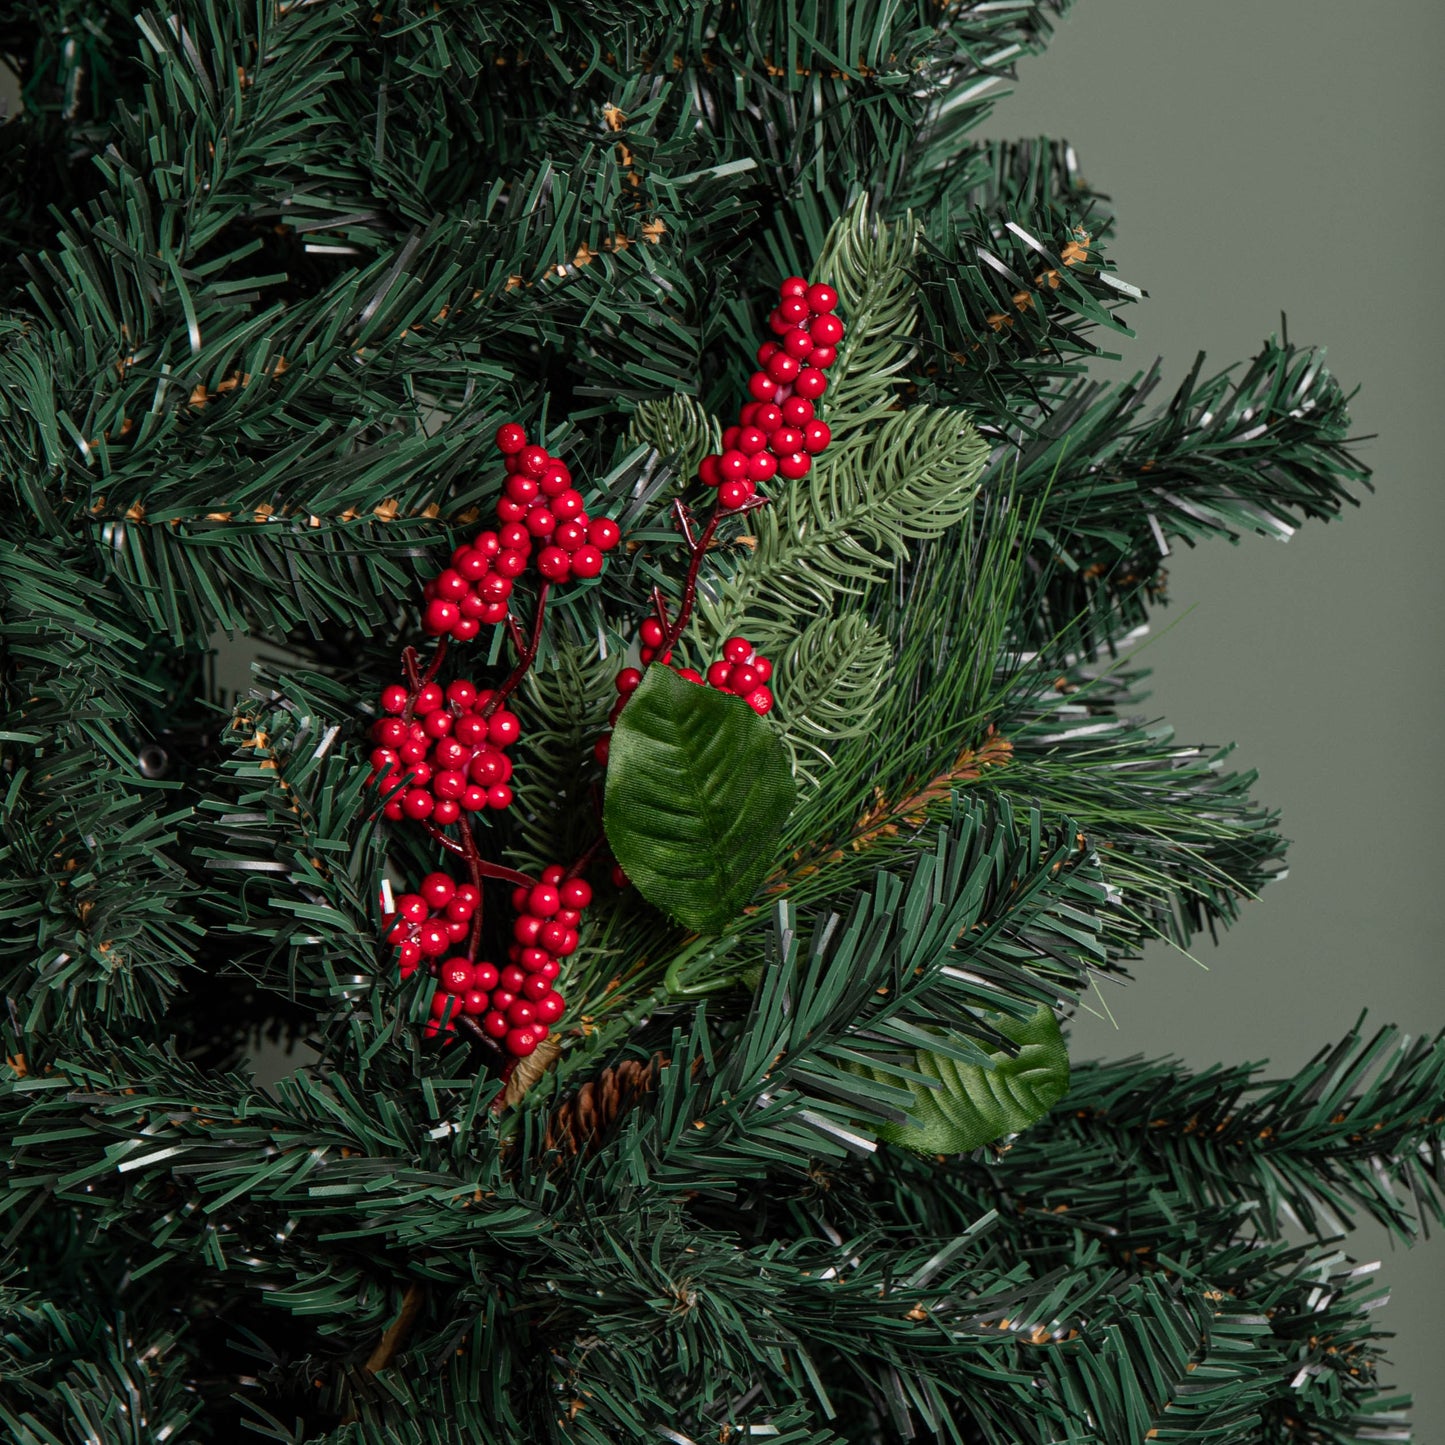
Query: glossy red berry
{"points": [[534, 460], [603, 533], [520, 1042], [576, 893], [785, 440], [811, 383], [499, 796], [718, 674], [651, 632], [602, 750], [417, 803], [737, 649], [540, 522], [826, 330], [495, 1024], [553, 937], [761, 386], [438, 724], [628, 680], [743, 679], [793, 286], [782, 368], [503, 728], [554, 564], [732, 465], [429, 699], [707, 472], [568, 505], [822, 357], [555, 479], [484, 975], [544, 900], [550, 1007], [795, 466], [526, 929], [510, 438], [509, 511], [455, 975], [762, 667], [522, 488], [619, 876], [432, 939], [587, 561], [437, 890], [690, 674], [768, 418], [535, 987], [761, 701], [798, 343], [794, 310], [512, 978], [394, 698], [821, 298], [412, 908], [816, 436], [570, 535], [761, 466], [732, 495]]}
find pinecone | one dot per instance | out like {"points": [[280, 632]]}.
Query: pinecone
{"points": [[581, 1122]]}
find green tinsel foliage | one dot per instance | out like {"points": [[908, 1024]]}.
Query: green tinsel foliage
{"points": [[272, 275]]}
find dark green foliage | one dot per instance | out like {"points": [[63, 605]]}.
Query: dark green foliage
{"points": [[272, 275]]}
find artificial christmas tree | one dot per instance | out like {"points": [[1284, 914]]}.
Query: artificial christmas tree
{"points": [[706, 779]]}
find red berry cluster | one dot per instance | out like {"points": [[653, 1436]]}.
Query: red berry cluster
{"points": [[743, 672], [427, 924], [517, 1005], [452, 742], [538, 506], [779, 432]]}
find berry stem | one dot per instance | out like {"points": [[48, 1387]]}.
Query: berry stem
{"points": [[526, 649], [436, 833], [697, 544], [435, 665], [474, 866], [586, 856]]}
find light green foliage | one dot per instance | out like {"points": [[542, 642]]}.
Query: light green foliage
{"points": [[828, 682], [958, 1106], [677, 427]]}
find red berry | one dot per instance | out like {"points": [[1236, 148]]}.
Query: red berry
{"points": [[743, 679], [510, 438], [512, 978], [383, 760], [619, 876], [442, 1003], [548, 970], [394, 698], [601, 750], [798, 411], [522, 488], [568, 505], [467, 898], [438, 724], [826, 330], [484, 975], [628, 680], [455, 975], [690, 674], [823, 357], [440, 616], [777, 323], [761, 701], [761, 466], [797, 343], [544, 900], [811, 383], [392, 809], [449, 784], [533, 959], [751, 439], [587, 561], [514, 537], [570, 535], [553, 937], [417, 803], [520, 1042], [503, 728], [499, 795], [762, 667], [785, 440], [511, 563], [651, 632], [765, 353], [554, 564], [795, 466], [495, 1024], [455, 931], [549, 1008], [466, 628], [816, 436], [526, 929], [783, 368], [737, 649], [535, 987], [421, 774], [794, 310], [509, 511], [768, 418], [429, 699], [534, 460], [793, 286], [520, 1012], [540, 522], [555, 479], [476, 1001], [733, 494], [707, 472], [732, 465], [412, 907], [822, 299], [474, 799], [761, 386], [718, 674], [603, 533], [576, 893], [451, 585], [432, 939]]}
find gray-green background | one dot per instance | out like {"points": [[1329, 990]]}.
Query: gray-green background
{"points": [[1269, 155]]}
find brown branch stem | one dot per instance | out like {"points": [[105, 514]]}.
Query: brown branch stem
{"points": [[527, 651]]}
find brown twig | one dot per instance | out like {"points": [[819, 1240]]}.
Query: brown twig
{"points": [[392, 1340]]}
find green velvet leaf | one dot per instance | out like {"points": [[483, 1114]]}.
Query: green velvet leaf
{"points": [[698, 790], [972, 1105]]}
